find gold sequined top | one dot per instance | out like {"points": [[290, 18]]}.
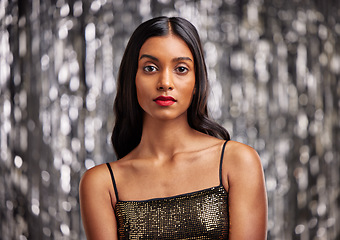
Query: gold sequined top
{"points": [[202, 214]]}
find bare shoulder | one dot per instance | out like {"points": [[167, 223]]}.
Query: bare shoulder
{"points": [[241, 164], [96, 203], [244, 178], [95, 175], [238, 154], [94, 181]]}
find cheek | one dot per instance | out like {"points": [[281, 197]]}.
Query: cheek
{"points": [[142, 90], [189, 89]]}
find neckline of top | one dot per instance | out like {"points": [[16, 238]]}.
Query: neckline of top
{"points": [[174, 196]]}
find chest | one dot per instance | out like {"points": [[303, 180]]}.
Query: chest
{"points": [[168, 180]]}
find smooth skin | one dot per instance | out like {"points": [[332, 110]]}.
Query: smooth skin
{"points": [[173, 158]]}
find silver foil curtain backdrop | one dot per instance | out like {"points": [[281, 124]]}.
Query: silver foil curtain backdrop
{"points": [[274, 69]]}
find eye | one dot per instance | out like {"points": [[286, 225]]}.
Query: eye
{"points": [[149, 69], [182, 69]]}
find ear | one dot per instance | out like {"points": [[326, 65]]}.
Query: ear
{"points": [[194, 91]]}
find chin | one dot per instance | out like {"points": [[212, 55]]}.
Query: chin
{"points": [[167, 116]]}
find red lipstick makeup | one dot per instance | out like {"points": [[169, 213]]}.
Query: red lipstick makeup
{"points": [[165, 100]]}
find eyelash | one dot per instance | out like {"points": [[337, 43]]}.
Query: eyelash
{"points": [[183, 68], [179, 69], [148, 70]]}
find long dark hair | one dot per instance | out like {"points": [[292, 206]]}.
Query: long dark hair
{"points": [[127, 131]]}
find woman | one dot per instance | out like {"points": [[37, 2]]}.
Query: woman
{"points": [[178, 176]]}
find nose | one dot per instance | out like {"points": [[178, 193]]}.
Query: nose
{"points": [[165, 82]]}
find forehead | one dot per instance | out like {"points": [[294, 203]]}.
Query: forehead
{"points": [[166, 46]]}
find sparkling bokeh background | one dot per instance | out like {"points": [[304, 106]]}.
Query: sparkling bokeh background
{"points": [[274, 68]]}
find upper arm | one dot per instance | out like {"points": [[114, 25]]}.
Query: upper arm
{"points": [[247, 193], [96, 205]]}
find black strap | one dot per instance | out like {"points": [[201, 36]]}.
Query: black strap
{"points": [[113, 180], [221, 161]]}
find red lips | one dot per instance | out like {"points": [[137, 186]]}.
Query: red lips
{"points": [[165, 100]]}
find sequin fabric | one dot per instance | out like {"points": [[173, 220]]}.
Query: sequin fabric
{"points": [[198, 215]]}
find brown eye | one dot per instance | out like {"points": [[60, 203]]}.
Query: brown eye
{"points": [[182, 70], [150, 69]]}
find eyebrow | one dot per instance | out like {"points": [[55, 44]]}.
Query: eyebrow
{"points": [[173, 60]]}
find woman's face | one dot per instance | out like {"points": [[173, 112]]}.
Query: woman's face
{"points": [[165, 78]]}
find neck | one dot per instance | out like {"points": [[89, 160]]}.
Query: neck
{"points": [[163, 138]]}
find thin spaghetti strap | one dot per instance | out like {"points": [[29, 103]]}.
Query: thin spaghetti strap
{"points": [[113, 180], [221, 161]]}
